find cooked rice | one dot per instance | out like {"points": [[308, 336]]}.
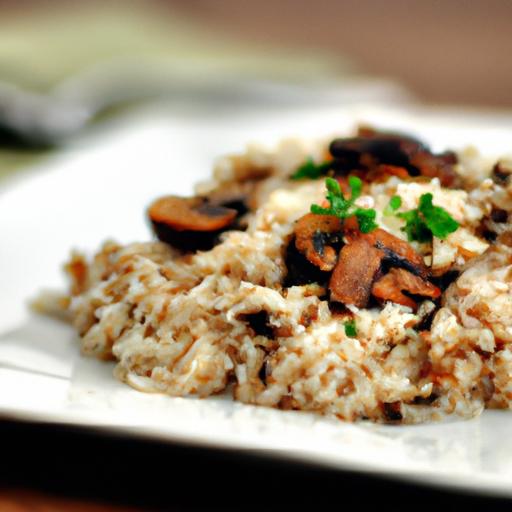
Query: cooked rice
{"points": [[179, 323]]}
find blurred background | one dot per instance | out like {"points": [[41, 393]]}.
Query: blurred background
{"points": [[455, 51], [68, 65]]}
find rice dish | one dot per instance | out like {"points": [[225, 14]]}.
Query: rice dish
{"points": [[388, 300]]}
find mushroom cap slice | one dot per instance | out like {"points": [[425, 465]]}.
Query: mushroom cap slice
{"points": [[387, 152], [392, 285], [364, 258], [352, 279], [190, 214], [313, 235], [396, 252]]}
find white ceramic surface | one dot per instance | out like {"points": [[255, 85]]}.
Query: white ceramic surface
{"points": [[97, 189]]}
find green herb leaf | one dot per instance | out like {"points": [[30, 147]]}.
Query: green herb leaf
{"points": [[350, 328], [318, 210], [356, 187], [310, 170], [394, 203], [415, 227], [343, 208], [437, 219], [428, 220], [334, 189], [366, 219]]}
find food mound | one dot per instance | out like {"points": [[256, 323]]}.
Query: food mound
{"points": [[364, 278]]}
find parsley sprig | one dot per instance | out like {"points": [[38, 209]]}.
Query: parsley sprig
{"points": [[310, 170], [350, 328], [343, 208], [394, 203], [424, 222]]}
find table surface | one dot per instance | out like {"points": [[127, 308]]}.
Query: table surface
{"points": [[56, 468]]}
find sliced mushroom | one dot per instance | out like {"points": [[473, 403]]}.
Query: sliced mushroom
{"points": [[396, 252], [314, 236], [392, 153], [502, 171], [352, 279], [189, 223], [385, 148], [190, 213], [393, 284], [437, 166], [300, 271], [409, 145], [392, 170], [492, 225], [499, 215], [364, 257]]}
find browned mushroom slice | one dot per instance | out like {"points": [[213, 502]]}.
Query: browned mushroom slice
{"points": [[374, 147], [189, 223], [407, 144], [300, 270], [383, 153], [501, 172], [314, 235], [352, 279], [392, 170], [190, 213], [398, 253], [392, 285], [437, 166]]}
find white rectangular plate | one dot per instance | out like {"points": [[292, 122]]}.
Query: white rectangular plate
{"points": [[98, 189]]}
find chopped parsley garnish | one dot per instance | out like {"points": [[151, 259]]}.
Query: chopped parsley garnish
{"points": [[310, 170], [343, 208], [366, 219], [350, 328], [428, 220], [394, 203]]}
